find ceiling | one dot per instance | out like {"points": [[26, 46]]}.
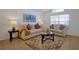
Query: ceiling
{"points": [[42, 10]]}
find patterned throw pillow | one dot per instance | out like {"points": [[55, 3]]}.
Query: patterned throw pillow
{"points": [[25, 31], [29, 27], [37, 26], [61, 27], [52, 26]]}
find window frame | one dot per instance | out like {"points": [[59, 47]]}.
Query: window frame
{"points": [[61, 22]]}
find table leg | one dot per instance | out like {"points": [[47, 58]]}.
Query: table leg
{"points": [[10, 37], [42, 38]]}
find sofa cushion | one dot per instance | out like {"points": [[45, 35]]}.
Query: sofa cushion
{"points": [[35, 30]]}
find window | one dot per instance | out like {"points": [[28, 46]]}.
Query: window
{"points": [[57, 10], [60, 19]]}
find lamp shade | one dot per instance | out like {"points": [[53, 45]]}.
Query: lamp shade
{"points": [[13, 23]]}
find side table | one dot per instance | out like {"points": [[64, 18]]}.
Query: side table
{"points": [[11, 32]]}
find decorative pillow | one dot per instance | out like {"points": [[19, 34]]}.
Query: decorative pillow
{"points": [[37, 26], [52, 26], [29, 27], [61, 27], [21, 29], [25, 30]]}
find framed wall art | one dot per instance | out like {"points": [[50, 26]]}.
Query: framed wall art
{"points": [[29, 18]]}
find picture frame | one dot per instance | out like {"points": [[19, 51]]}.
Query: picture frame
{"points": [[29, 18]]}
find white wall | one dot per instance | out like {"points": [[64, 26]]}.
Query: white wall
{"points": [[7, 15], [73, 20], [46, 18], [74, 23]]}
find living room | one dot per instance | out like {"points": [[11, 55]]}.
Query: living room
{"points": [[44, 18]]}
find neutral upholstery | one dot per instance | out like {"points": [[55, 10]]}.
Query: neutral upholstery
{"points": [[34, 32], [60, 30]]}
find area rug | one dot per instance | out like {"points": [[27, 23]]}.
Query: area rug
{"points": [[35, 43]]}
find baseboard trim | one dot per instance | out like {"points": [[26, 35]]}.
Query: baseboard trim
{"points": [[73, 35]]}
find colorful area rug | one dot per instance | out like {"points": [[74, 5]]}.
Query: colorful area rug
{"points": [[36, 44]]}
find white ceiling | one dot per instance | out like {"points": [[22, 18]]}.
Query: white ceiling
{"points": [[38, 10], [42, 10]]}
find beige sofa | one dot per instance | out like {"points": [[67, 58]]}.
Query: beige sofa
{"points": [[58, 31], [34, 32]]}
